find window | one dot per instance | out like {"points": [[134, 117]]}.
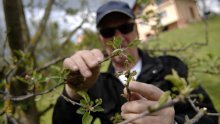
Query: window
{"points": [[158, 2], [162, 14], [192, 12]]}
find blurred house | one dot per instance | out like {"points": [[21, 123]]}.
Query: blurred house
{"points": [[169, 14]]}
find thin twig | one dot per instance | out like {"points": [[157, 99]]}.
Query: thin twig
{"points": [[207, 72], [67, 99], [197, 109], [145, 113], [112, 55], [72, 33], [2, 92], [4, 50], [48, 64], [198, 116], [11, 119], [184, 48], [192, 104], [40, 30], [20, 98], [2, 112]]}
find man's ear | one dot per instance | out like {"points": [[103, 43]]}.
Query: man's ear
{"points": [[136, 30], [100, 39]]}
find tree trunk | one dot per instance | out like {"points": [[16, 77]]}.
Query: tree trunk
{"points": [[18, 38]]}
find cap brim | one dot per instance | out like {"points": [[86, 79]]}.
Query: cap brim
{"points": [[108, 12]]}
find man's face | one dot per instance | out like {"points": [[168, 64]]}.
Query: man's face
{"points": [[118, 26]]}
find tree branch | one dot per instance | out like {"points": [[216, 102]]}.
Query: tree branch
{"points": [[197, 109], [3, 52], [2, 112], [67, 99], [11, 120], [72, 33], [207, 72], [48, 64], [40, 30], [184, 48], [178, 99], [145, 113], [198, 116], [20, 98], [2, 92]]}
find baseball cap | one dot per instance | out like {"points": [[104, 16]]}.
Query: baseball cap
{"points": [[113, 6]]}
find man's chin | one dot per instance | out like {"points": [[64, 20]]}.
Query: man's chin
{"points": [[119, 60]]}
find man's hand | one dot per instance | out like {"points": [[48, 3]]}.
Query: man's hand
{"points": [[83, 65], [142, 96]]}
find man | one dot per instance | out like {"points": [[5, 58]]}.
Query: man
{"points": [[116, 19]]}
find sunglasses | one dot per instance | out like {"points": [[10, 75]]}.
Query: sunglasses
{"points": [[110, 32]]}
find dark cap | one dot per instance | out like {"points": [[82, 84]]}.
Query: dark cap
{"points": [[113, 6]]}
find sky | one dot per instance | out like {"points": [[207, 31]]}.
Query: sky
{"points": [[66, 22]]}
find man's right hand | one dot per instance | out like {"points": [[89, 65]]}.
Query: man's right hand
{"points": [[83, 64]]}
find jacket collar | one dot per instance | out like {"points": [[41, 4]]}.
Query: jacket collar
{"points": [[150, 67], [146, 62]]}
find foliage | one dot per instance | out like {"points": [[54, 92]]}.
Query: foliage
{"points": [[87, 107]]}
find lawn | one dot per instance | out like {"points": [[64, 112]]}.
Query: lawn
{"points": [[191, 33], [195, 33]]}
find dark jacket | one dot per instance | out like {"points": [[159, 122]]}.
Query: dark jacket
{"points": [[109, 89]]}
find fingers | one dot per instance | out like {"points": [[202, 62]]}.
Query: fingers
{"points": [[99, 55], [134, 96], [137, 106], [84, 61], [69, 64], [142, 120], [148, 91], [144, 96]]}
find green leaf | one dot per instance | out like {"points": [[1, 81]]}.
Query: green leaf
{"points": [[193, 84], [126, 63], [134, 43], [117, 52], [201, 97], [98, 102], [91, 103], [110, 43], [130, 58], [80, 111], [84, 95], [83, 102], [97, 121], [133, 73], [163, 99], [65, 73], [71, 11], [179, 83], [117, 41], [87, 118], [98, 109], [22, 79], [117, 74], [129, 79]]}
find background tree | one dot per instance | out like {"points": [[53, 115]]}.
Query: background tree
{"points": [[31, 55]]}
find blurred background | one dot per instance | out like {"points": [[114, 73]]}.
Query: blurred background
{"points": [[36, 35]]}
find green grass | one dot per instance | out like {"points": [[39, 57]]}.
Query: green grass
{"points": [[195, 33], [45, 101], [177, 38]]}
